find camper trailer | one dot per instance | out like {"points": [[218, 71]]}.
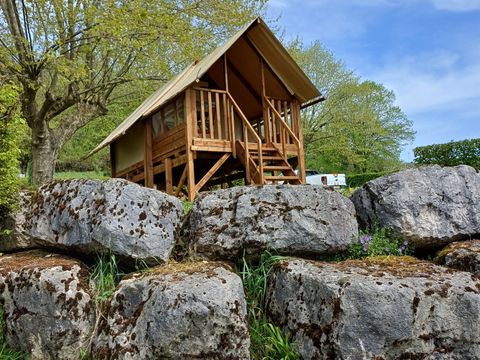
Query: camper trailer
{"points": [[233, 115]]}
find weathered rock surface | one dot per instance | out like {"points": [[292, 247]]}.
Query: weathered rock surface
{"points": [[182, 311], [18, 237], [429, 206], [90, 216], [462, 255], [377, 309], [300, 219], [48, 309]]}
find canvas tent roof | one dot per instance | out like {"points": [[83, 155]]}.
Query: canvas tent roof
{"points": [[265, 42]]}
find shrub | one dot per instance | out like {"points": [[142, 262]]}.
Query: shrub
{"points": [[11, 126], [465, 152], [267, 340], [379, 243], [357, 180]]}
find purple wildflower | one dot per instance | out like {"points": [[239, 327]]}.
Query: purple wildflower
{"points": [[403, 247], [365, 240]]}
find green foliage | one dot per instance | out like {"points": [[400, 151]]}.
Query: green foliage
{"points": [[11, 126], [6, 353], [466, 152], [380, 243], [357, 180], [105, 276], [358, 128], [81, 175], [187, 206], [267, 340]]}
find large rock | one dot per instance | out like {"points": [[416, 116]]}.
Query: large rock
{"points": [[182, 311], [428, 206], [299, 219], [48, 308], [462, 255], [90, 216], [17, 236], [376, 309]]}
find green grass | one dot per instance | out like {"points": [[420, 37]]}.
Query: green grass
{"points": [[105, 276], [267, 340], [80, 175], [6, 353]]}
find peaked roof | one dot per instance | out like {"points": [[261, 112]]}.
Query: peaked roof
{"points": [[265, 42]]}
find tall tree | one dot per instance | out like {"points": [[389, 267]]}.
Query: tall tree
{"points": [[358, 128], [72, 57]]}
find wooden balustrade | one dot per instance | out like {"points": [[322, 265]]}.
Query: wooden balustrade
{"points": [[211, 114], [282, 133]]}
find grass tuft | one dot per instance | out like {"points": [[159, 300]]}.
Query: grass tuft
{"points": [[105, 276], [267, 340]]}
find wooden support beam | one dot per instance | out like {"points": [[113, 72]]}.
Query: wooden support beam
{"points": [[301, 152], [182, 181], [190, 99], [168, 176], [211, 172], [147, 158], [113, 165]]}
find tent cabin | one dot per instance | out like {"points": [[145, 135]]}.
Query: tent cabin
{"points": [[233, 115]]}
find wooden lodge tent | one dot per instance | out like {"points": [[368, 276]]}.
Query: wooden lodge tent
{"points": [[234, 114]]}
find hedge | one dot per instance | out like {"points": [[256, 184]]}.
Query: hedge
{"points": [[465, 152], [357, 180]]}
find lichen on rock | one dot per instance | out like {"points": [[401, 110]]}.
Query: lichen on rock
{"points": [[387, 308], [117, 216], [184, 311], [302, 219], [48, 308]]}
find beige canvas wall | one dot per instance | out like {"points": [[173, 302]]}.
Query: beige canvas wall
{"points": [[129, 149]]}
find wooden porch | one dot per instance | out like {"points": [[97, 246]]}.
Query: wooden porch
{"points": [[221, 136]]}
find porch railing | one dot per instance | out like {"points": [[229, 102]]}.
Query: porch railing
{"points": [[280, 133]]}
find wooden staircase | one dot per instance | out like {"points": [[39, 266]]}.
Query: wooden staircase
{"points": [[269, 167]]}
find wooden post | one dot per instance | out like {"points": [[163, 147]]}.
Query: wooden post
{"points": [[301, 151], [168, 176], [225, 70], [189, 118], [266, 114], [147, 157], [113, 165]]}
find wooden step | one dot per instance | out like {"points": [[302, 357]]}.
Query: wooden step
{"points": [[279, 178], [267, 158], [276, 167]]}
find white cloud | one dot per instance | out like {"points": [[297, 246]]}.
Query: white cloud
{"points": [[457, 5], [431, 81]]}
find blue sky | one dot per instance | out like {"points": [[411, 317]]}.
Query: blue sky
{"points": [[426, 51]]}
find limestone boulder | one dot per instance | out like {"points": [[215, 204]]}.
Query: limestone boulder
{"points": [[462, 255], [376, 309], [299, 219], [47, 304], [179, 311], [90, 216], [429, 206], [17, 236]]}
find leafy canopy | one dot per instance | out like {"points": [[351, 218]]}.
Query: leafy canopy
{"points": [[358, 128]]}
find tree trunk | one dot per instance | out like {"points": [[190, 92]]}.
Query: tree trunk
{"points": [[44, 156]]}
